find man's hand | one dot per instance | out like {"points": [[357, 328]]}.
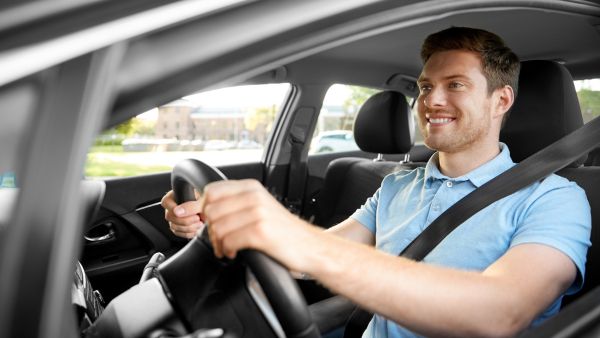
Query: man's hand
{"points": [[243, 215], [184, 220]]}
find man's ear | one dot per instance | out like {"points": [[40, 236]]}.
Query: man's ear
{"points": [[504, 99]]}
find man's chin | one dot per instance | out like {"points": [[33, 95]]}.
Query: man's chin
{"points": [[433, 145]]}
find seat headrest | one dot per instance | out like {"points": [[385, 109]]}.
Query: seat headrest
{"points": [[384, 124], [545, 110]]}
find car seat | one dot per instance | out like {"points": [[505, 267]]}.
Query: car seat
{"points": [[546, 109], [383, 125]]}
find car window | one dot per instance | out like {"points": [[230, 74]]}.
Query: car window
{"points": [[220, 127], [336, 119], [588, 93]]}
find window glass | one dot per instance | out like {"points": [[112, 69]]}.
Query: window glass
{"points": [[588, 92], [219, 127], [336, 119]]}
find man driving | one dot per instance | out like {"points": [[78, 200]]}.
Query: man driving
{"points": [[503, 270]]}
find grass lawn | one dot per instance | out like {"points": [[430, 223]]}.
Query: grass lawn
{"points": [[111, 161], [103, 167]]}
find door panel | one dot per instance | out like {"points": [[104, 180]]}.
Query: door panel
{"points": [[130, 227]]}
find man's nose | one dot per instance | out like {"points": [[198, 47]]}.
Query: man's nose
{"points": [[435, 98]]}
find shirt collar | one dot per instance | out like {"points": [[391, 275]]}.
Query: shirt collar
{"points": [[479, 175]]}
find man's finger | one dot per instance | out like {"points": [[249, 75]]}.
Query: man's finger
{"points": [[188, 220], [215, 242], [168, 201], [184, 234], [236, 241], [235, 204], [215, 191], [186, 228], [187, 209]]}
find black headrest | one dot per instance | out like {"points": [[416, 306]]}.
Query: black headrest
{"points": [[384, 124], [545, 110]]}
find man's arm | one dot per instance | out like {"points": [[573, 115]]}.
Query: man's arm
{"points": [[438, 301], [352, 230], [184, 221], [428, 299]]}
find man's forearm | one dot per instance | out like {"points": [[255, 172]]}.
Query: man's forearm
{"points": [[426, 299]]}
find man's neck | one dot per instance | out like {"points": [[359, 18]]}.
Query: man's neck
{"points": [[462, 162]]}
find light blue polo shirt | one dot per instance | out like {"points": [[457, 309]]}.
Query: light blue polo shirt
{"points": [[553, 212]]}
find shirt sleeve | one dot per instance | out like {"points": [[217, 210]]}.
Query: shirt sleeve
{"points": [[559, 218], [367, 214]]}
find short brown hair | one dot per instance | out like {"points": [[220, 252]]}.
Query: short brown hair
{"points": [[500, 65]]}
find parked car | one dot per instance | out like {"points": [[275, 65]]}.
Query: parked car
{"points": [[333, 141], [69, 70], [248, 144], [217, 145]]}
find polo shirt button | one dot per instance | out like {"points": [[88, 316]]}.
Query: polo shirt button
{"points": [[449, 184]]}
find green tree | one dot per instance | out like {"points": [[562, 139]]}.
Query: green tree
{"points": [[260, 117], [589, 100], [126, 128]]}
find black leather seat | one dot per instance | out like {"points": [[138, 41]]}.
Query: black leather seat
{"points": [[547, 109], [384, 125], [593, 158]]}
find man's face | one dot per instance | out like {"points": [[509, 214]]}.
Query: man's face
{"points": [[453, 104]]}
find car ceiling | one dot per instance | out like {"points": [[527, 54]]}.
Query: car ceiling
{"points": [[567, 31], [532, 34], [371, 43]]}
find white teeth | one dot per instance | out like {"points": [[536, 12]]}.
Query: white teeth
{"points": [[440, 120]]}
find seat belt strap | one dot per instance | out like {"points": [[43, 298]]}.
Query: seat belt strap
{"points": [[296, 177], [297, 170], [541, 164]]}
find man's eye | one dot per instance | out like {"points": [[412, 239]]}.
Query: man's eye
{"points": [[425, 88], [455, 85]]}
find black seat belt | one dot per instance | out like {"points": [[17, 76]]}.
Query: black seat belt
{"points": [[539, 165], [296, 176], [304, 118]]}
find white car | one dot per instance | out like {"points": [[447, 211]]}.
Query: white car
{"points": [[334, 141], [217, 145]]}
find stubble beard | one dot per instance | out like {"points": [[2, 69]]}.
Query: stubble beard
{"points": [[465, 134]]}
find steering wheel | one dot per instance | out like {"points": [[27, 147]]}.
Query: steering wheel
{"points": [[184, 274]]}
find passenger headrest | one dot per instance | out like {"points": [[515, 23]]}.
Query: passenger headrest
{"points": [[384, 124], [545, 110]]}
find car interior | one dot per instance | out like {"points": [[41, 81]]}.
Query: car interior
{"points": [[122, 227]]}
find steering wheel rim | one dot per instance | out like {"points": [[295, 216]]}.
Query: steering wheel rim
{"points": [[279, 287]]}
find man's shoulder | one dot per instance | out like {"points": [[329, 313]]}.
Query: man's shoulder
{"points": [[556, 182], [555, 191], [404, 175]]}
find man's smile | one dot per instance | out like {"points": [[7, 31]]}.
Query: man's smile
{"points": [[439, 120]]}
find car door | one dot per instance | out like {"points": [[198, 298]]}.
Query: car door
{"points": [[134, 159]]}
